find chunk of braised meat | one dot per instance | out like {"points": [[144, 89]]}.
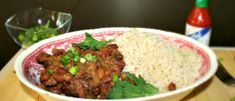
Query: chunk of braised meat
{"points": [[47, 80], [49, 60], [91, 69], [58, 52], [55, 89], [81, 74], [59, 75], [109, 56], [118, 57], [62, 75], [43, 58], [94, 82], [95, 91], [171, 86], [87, 51], [77, 88], [106, 51], [105, 87]]}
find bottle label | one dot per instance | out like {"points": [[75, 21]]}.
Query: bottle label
{"points": [[200, 34]]}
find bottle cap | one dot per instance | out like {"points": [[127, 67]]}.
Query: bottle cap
{"points": [[201, 3]]}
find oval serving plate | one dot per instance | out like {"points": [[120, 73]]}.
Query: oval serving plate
{"points": [[28, 70]]}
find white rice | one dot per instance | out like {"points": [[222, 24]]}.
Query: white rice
{"points": [[158, 61]]}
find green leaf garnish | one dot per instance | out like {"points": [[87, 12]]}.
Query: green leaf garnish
{"points": [[139, 81], [124, 89], [91, 43]]}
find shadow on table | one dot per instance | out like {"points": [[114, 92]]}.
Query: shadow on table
{"points": [[197, 90]]}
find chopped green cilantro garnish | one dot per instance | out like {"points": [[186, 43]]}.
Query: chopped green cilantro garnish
{"points": [[73, 70], [124, 89], [92, 43]]}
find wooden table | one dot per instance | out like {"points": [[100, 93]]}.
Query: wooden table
{"points": [[214, 90]]}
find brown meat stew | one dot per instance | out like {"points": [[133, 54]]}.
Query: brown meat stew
{"points": [[90, 78]]}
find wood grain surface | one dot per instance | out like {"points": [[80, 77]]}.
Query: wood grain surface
{"points": [[11, 89]]}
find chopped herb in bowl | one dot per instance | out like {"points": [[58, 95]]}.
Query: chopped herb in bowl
{"points": [[36, 34]]}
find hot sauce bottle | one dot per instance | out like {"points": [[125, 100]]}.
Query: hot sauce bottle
{"points": [[198, 24]]}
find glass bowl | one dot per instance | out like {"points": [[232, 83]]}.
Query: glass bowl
{"points": [[30, 26]]}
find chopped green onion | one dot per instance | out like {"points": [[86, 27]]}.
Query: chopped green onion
{"points": [[82, 60], [71, 54], [76, 54], [35, 37], [76, 58], [36, 33], [72, 50], [49, 71], [73, 70], [21, 37], [66, 57], [114, 77], [90, 57], [65, 60]]}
